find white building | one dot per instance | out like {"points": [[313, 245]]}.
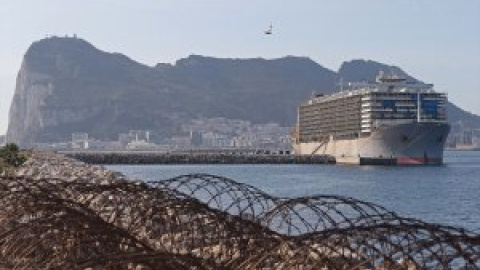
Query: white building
{"points": [[211, 139], [80, 141]]}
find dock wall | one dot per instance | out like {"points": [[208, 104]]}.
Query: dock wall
{"points": [[195, 158]]}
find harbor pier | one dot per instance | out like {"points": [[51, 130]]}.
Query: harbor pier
{"points": [[194, 157]]}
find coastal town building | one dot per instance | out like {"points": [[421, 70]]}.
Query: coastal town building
{"points": [[80, 141], [465, 139], [203, 134]]}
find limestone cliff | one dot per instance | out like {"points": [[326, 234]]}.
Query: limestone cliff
{"points": [[27, 108], [66, 85]]}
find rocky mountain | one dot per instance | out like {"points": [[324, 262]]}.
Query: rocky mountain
{"points": [[66, 85]]}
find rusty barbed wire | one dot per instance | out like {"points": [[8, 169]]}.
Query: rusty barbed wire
{"points": [[202, 221]]}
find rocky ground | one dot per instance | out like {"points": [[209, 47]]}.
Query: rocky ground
{"points": [[52, 165]]}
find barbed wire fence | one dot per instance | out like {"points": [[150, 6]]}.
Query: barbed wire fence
{"points": [[202, 221]]}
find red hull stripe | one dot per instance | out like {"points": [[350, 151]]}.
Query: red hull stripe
{"points": [[413, 160]]}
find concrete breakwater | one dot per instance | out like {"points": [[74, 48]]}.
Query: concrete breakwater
{"points": [[195, 158]]}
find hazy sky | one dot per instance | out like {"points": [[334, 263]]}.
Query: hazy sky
{"points": [[437, 41]]}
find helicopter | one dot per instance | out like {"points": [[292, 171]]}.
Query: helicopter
{"points": [[269, 31]]}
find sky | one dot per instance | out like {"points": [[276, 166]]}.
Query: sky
{"points": [[436, 41]]}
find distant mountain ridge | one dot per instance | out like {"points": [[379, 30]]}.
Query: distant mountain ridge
{"points": [[66, 85]]}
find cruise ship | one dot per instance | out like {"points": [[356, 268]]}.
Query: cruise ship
{"points": [[387, 122]]}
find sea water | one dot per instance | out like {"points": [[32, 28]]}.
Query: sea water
{"points": [[447, 194]]}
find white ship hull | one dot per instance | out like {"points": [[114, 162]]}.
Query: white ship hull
{"points": [[410, 143]]}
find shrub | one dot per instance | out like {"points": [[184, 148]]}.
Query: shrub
{"points": [[10, 154]]}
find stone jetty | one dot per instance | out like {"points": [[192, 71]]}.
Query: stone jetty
{"points": [[93, 157]]}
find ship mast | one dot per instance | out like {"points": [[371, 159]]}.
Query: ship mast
{"points": [[419, 117]]}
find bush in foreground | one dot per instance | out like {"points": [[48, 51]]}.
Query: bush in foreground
{"points": [[10, 156]]}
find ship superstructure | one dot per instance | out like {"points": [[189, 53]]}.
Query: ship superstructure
{"points": [[390, 121]]}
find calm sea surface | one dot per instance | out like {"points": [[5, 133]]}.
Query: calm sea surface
{"points": [[448, 194]]}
